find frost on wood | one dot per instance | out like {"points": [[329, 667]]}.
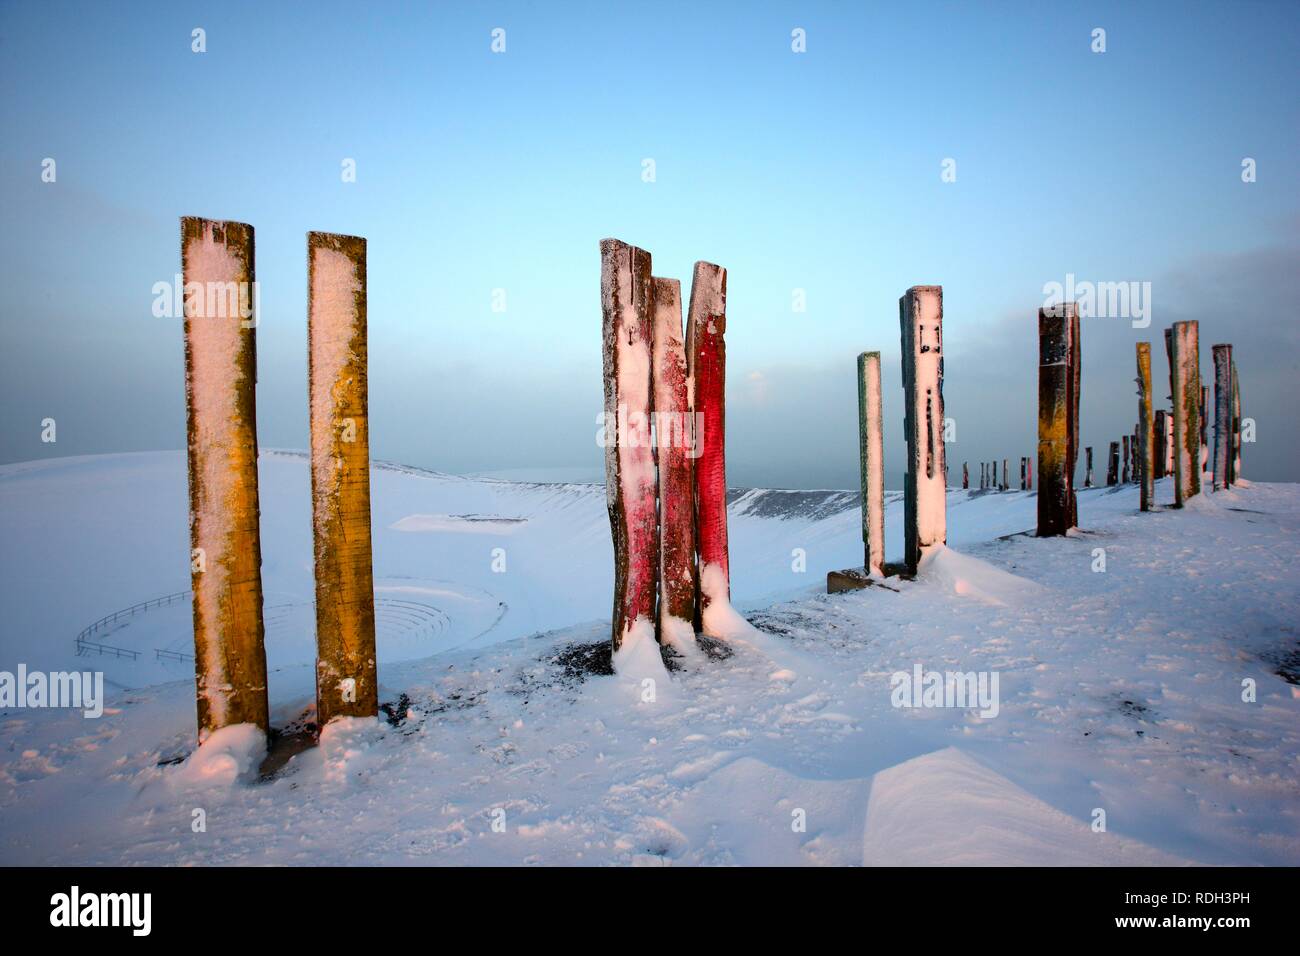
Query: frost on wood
{"points": [[1058, 426], [925, 522], [1184, 359], [1145, 451], [1087, 474], [707, 361], [1159, 453], [1236, 426], [221, 436], [1223, 418], [630, 486], [340, 477], [1203, 413], [1126, 455], [871, 449], [1112, 467], [675, 442]]}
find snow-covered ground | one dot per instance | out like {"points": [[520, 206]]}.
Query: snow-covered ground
{"points": [[1119, 690]]}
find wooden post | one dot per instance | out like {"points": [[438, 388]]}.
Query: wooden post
{"points": [[1023, 462], [1186, 398], [1169, 444], [1006, 476], [1203, 412], [1029, 473], [340, 477], [1057, 385], [677, 444], [1125, 455], [706, 356], [1087, 474], [1146, 430], [1160, 453], [627, 308], [1236, 425], [871, 448], [1222, 416], [983, 475], [965, 476], [925, 523], [221, 436], [1112, 467]]}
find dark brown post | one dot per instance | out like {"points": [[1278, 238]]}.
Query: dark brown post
{"points": [[676, 443], [965, 475], [1057, 385], [217, 261], [1112, 468], [1222, 416], [1145, 434], [1161, 453], [1236, 425], [627, 306], [1087, 474]]}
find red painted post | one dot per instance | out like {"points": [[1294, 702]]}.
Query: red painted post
{"points": [[630, 486], [706, 357], [676, 446]]}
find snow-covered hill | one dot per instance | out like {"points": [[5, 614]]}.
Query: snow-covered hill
{"points": [[1119, 690]]}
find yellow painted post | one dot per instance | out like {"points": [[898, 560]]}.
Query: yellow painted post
{"points": [[337, 385], [217, 262]]}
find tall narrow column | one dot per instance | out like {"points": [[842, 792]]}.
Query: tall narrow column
{"points": [[1023, 463], [1087, 474], [1159, 453], [871, 447], [1186, 398], [1169, 444], [965, 476], [627, 310], [925, 522], [1203, 413], [677, 446], [1112, 466], [1029, 474], [706, 354], [1236, 425], [1146, 429], [1223, 431], [1006, 476], [338, 386], [1057, 420], [1125, 471], [217, 260]]}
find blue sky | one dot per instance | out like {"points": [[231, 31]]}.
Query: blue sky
{"points": [[478, 171]]}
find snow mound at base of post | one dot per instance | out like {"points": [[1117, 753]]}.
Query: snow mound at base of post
{"points": [[971, 577], [638, 654], [679, 635], [346, 747], [718, 618], [224, 758]]}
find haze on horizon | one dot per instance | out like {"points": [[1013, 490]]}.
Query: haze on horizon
{"points": [[813, 176]]}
